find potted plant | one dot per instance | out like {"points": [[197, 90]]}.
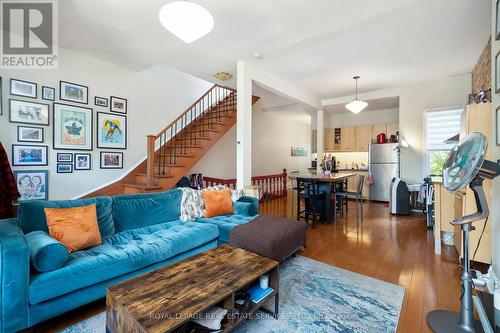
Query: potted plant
{"points": [[327, 164]]}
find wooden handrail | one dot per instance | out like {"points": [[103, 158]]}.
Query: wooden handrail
{"points": [[271, 186], [191, 106]]}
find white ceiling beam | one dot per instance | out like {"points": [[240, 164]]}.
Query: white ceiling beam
{"points": [[375, 94], [284, 88]]}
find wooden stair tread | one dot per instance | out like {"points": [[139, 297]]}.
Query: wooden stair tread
{"points": [[178, 156], [155, 176], [143, 186], [170, 165]]}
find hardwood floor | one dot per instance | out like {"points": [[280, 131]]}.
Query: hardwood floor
{"points": [[396, 249]]}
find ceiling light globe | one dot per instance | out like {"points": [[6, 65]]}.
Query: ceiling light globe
{"points": [[186, 20], [356, 106]]}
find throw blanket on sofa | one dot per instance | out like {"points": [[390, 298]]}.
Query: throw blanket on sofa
{"points": [[192, 204], [8, 186]]}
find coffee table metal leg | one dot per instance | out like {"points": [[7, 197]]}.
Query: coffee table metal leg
{"points": [[276, 306]]}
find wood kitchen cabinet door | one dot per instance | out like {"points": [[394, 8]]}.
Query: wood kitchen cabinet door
{"points": [[377, 129], [348, 139], [392, 128], [363, 138], [328, 135]]}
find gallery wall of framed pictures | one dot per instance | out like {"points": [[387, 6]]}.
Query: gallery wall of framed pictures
{"points": [[79, 129]]}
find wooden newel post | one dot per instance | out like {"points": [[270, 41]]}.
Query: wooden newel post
{"points": [[151, 160], [285, 180]]}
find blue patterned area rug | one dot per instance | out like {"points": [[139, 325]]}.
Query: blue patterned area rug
{"points": [[316, 297]]}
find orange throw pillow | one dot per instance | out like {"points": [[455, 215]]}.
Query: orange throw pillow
{"points": [[217, 202], [75, 227]]}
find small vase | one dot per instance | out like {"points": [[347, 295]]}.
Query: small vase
{"points": [[327, 172]]}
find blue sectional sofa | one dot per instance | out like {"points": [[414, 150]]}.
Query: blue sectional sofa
{"points": [[139, 233]]}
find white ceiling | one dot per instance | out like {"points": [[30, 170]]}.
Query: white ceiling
{"points": [[316, 44], [280, 105], [373, 105]]}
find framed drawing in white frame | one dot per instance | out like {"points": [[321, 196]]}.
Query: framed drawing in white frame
{"points": [[73, 92], [72, 127], [32, 184], [29, 134]]}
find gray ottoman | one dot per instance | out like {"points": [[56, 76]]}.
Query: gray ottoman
{"points": [[270, 236]]}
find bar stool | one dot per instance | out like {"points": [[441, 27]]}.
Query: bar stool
{"points": [[294, 189], [335, 202], [358, 196], [308, 189]]}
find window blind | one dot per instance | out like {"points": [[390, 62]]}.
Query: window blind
{"points": [[441, 125]]}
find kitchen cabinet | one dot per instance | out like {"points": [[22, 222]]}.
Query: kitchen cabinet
{"points": [[392, 128], [354, 139], [377, 129], [363, 138], [329, 139], [477, 118], [348, 139], [448, 206]]}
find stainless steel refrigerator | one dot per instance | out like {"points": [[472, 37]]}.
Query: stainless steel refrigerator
{"points": [[383, 166]]}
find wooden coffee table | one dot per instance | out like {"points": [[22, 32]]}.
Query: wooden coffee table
{"points": [[163, 299]]}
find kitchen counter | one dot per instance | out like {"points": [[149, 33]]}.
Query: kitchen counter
{"points": [[353, 170]]}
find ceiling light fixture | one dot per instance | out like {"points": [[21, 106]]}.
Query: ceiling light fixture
{"points": [[223, 76], [357, 105], [186, 20]]}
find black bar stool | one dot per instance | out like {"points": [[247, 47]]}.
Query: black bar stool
{"points": [[357, 196], [308, 189]]}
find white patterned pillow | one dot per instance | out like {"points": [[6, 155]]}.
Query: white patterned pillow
{"points": [[235, 195], [192, 206]]}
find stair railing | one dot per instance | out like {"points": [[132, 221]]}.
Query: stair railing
{"points": [[164, 149], [271, 186]]}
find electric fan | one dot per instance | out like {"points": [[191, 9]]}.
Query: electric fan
{"points": [[465, 165]]}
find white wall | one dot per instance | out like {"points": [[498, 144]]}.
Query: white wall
{"points": [[155, 97], [495, 209], [273, 135], [348, 119], [413, 100]]}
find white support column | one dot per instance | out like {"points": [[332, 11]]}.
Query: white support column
{"points": [[320, 127], [244, 126]]}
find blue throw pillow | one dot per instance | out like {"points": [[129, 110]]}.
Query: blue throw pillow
{"points": [[46, 253]]}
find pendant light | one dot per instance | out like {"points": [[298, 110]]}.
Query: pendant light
{"points": [[186, 20], [356, 106]]}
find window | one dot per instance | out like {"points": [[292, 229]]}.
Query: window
{"points": [[439, 126]]}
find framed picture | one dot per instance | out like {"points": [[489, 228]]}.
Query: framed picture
{"points": [[73, 92], [101, 101], [23, 88], [497, 73], [28, 112], [32, 184], [298, 151], [1, 100], [111, 160], [64, 168], [497, 21], [118, 104], [497, 126], [83, 161], [111, 131], [48, 93], [23, 155], [64, 157], [72, 127], [29, 134]]}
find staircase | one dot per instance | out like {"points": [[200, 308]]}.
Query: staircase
{"points": [[176, 149]]}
